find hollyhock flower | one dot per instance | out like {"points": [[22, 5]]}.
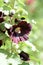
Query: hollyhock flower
{"points": [[19, 32], [1, 17], [0, 43], [24, 56]]}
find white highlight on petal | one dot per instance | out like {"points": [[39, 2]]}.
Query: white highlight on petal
{"points": [[12, 11], [7, 25], [6, 12], [6, 1], [31, 45]]}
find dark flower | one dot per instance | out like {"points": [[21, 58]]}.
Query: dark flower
{"points": [[0, 13], [1, 17], [24, 56], [19, 32], [0, 43]]}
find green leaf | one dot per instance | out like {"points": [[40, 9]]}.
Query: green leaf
{"points": [[5, 52], [34, 59], [8, 43], [6, 7], [24, 63], [2, 36], [2, 26], [11, 3], [1, 3]]}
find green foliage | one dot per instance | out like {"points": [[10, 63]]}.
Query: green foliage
{"points": [[24, 63]]}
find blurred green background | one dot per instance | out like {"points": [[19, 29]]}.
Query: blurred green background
{"points": [[36, 17]]}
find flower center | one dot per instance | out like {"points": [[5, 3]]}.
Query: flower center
{"points": [[18, 30]]}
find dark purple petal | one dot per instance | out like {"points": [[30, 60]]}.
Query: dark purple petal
{"points": [[26, 27], [1, 20], [14, 27], [0, 13], [0, 43], [22, 39], [25, 36], [24, 56]]}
